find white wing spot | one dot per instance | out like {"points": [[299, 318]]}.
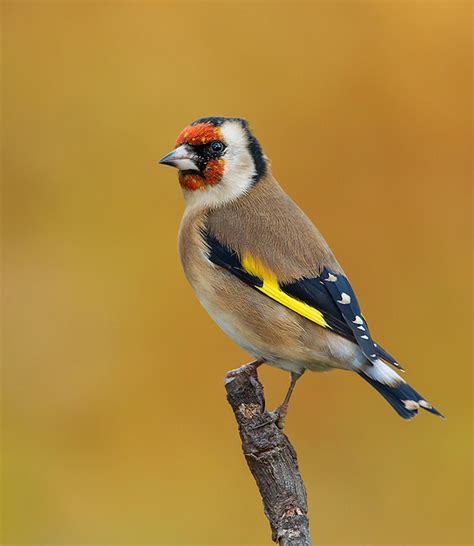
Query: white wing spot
{"points": [[345, 299], [374, 355], [424, 404], [364, 337], [358, 320], [361, 328], [410, 404], [331, 278]]}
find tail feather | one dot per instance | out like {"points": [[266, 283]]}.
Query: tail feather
{"points": [[403, 398]]}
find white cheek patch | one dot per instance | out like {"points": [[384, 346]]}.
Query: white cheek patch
{"points": [[239, 170], [239, 165]]}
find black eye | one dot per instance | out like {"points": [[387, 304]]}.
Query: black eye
{"points": [[217, 146]]}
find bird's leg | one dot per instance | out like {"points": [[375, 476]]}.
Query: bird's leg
{"points": [[246, 368], [282, 410]]}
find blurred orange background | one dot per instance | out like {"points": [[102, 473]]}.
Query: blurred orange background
{"points": [[115, 425]]}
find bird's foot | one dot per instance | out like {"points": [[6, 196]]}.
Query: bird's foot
{"points": [[280, 415], [249, 368]]}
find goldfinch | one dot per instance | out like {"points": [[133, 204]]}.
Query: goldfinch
{"points": [[263, 271]]}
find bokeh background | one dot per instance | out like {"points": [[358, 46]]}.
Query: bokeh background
{"points": [[115, 424]]}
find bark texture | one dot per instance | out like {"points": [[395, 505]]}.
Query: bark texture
{"points": [[271, 459]]}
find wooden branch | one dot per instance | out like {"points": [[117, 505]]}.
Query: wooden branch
{"points": [[271, 459]]}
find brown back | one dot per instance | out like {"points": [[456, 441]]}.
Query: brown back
{"points": [[266, 223]]}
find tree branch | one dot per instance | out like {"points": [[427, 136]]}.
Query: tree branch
{"points": [[271, 459]]}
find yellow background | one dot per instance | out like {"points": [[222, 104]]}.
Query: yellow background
{"points": [[115, 424]]}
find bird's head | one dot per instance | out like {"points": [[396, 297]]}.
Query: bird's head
{"points": [[218, 159]]}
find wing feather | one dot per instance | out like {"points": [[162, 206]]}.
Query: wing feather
{"points": [[343, 295], [327, 300]]}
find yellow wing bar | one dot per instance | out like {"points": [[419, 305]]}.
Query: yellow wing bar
{"points": [[272, 289]]}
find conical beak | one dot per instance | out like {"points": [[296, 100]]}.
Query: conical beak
{"points": [[182, 158]]}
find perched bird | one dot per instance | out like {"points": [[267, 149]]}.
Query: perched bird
{"points": [[264, 272]]}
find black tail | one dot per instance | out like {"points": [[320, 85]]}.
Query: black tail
{"points": [[404, 400]]}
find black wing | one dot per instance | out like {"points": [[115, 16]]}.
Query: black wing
{"points": [[327, 300]]}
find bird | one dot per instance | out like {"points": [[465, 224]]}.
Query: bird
{"points": [[263, 271]]}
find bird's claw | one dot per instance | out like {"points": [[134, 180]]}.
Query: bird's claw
{"points": [[250, 368], [279, 415]]}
